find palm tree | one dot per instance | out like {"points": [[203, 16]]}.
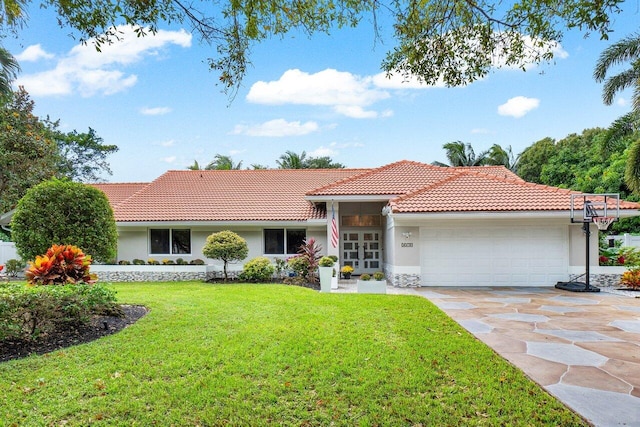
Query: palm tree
{"points": [[291, 160], [9, 69], [626, 50], [461, 154], [194, 167], [502, 157], [221, 162]]}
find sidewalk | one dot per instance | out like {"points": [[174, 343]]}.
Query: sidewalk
{"points": [[584, 348]]}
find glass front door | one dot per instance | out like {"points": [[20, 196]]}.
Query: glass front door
{"points": [[362, 251]]}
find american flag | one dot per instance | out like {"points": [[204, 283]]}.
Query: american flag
{"points": [[334, 229]]}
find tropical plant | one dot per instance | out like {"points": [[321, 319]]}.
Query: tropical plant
{"points": [[68, 213], [626, 50], [462, 154], [310, 252], [631, 278], [226, 246], [60, 265], [221, 162], [499, 156], [291, 160], [9, 69], [14, 267]]}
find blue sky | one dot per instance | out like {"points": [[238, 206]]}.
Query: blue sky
{"points": [[155, 98]]}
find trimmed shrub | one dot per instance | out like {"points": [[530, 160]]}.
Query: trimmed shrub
{"points": [[258, 269], [181, 261], [152, 261], [326, 261], [137, 261], [14, 267], [365, 277], [27, 312], [168, 262], [124, 262], [61, 264], [227, 247], [197, 261], [64, 213], [378, 275]]}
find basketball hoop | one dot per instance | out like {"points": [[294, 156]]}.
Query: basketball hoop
{"points": [[603, 222]]}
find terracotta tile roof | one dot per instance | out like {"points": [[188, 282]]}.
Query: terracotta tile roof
{"points": [[236, 195], [469, 191], [118, 192], [394, 179]]}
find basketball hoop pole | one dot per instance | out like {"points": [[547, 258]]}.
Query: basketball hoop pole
{"points": [[586, 227]]}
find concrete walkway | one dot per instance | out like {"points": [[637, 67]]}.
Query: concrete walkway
{"points": [[583, 348]]}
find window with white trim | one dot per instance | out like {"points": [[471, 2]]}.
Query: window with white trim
{"points": [[276, 240], [169, 241]]}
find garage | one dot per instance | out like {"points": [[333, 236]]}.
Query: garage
{"points": [[494, 255]]}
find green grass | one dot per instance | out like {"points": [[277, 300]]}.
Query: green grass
{"points": [[209, 355]]}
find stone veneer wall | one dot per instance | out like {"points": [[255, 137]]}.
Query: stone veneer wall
{"points": [[152, 276], [604, 279], [405, 280]]}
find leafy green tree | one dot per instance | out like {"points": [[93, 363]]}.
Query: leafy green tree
{"points": [[456, 42], [64, 213], [226, 246], [195, 166], [82, 156], [28, 154], [462, 154], [221, 162], [324, 162], [534, 157]]}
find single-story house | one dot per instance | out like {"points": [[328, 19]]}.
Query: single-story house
{"points": [[423, 225]]}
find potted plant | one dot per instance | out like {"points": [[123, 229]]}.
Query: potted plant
{"points": [[334, 276], [346, 271], [325, 269], [376, 286]]}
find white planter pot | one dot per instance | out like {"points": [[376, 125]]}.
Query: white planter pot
{"points": [[334, 281], [325, 274], [372, 286]]}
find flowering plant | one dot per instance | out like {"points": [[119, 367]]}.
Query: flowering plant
{"points": [[347, 269]]}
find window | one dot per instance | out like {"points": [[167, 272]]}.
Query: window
{"points": [[167, 241], [277, 239], [361, 220]]}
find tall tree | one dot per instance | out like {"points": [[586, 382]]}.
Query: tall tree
{"points": [[626, 50], [456, 42], [195, 166], [499, 156], [9, 69], [221, 162], [83, 156], [534, 157], [462, 154], [291, 160], [324, 162], [28, 154]]}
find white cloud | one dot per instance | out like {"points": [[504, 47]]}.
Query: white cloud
{"points": [[168, 143], [323, 152], [86, 71], [155, 111], [622, 102], [518, 106], [33, 53], [346, 93], [170, 159], [277, 128]]}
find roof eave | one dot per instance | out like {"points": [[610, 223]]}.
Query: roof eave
{"points": [[556, 214], [351, 198]]}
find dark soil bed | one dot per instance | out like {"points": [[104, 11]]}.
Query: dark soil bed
{"points": [[100, 326]]}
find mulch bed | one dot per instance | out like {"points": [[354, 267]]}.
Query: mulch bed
{"points": [[100, 326]]}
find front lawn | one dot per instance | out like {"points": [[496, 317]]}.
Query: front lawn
{"points": [[209, 355]]}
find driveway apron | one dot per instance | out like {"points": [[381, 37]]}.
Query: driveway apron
{"points": [[583, 348]]}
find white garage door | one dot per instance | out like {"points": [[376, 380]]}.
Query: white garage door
{"points": [[494, 256]]}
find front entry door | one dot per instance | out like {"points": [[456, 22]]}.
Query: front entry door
{"points": [[362, 251]]}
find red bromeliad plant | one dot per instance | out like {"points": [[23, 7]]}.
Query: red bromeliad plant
{"points": [[61, 264]]}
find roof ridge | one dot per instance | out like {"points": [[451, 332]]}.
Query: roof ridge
{"points": [[371, 172]]}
